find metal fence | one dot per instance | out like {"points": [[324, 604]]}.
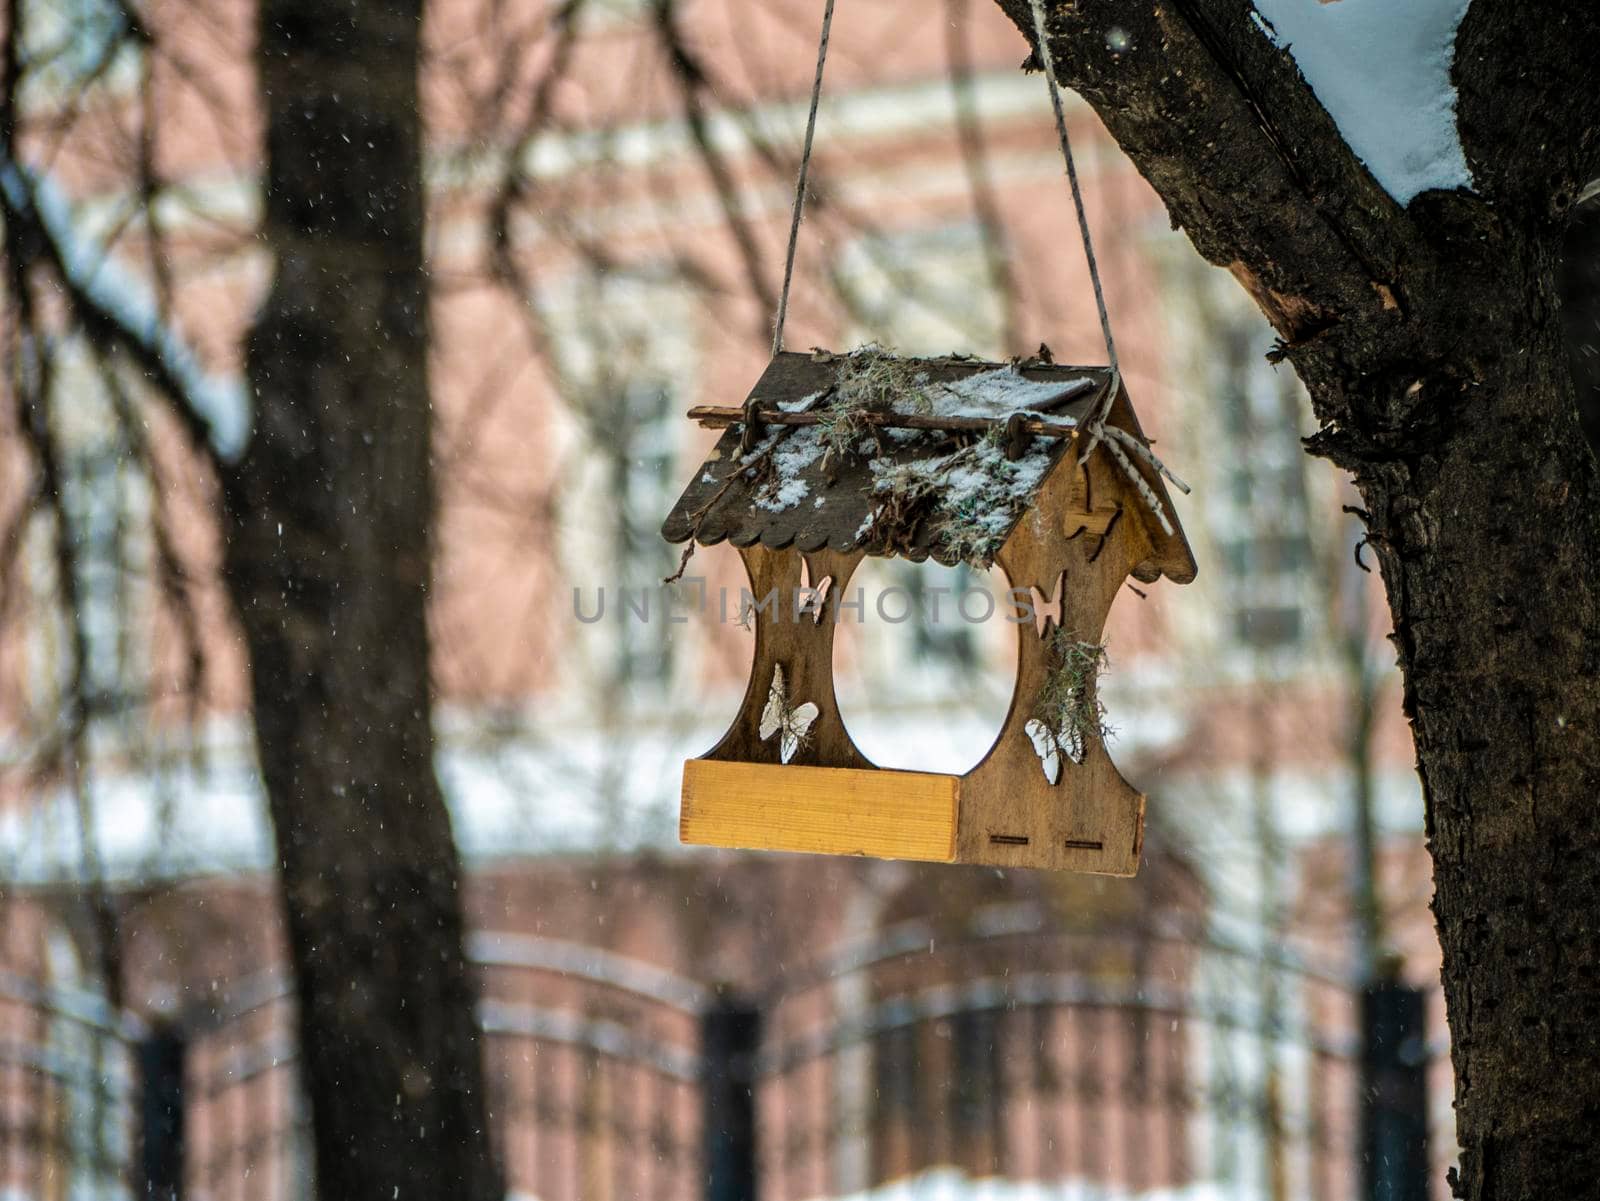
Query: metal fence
{"points": [[1019, 1063], [1140, 1063], [68, 1101]]}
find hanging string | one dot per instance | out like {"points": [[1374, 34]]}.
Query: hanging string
{"points": [[1098, 432], [1048, 60], [800, 183]]}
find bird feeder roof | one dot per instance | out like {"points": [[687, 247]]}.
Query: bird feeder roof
{"points": [[963, 494]]}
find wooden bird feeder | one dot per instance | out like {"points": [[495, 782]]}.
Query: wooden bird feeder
{"points": [[834, 457]]}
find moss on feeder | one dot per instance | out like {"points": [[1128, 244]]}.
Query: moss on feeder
{"points": [[871, 379], [1069, 701]]}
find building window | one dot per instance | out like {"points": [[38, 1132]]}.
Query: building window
{"points": [[923, 292], [105, 500], [946, 642], [643, 417], [625, 356], [95, 485], [976, 1102], [85, 1119], [926, 292], [938, 1096], [1262, 508]]}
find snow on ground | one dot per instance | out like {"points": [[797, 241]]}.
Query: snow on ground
{"points": [[565, 788], [948, 1184], [570, 790], [568, 786], [1382, 70]]}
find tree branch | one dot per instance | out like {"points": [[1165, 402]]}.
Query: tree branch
{"points": [[116, 315], [693, 84], [1296, 217], [1527, 76]]}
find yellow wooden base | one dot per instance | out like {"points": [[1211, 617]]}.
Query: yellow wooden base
{"points": [[820, 810]]}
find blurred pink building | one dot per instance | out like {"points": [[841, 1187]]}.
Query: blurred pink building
{"points": [[606, 238]]}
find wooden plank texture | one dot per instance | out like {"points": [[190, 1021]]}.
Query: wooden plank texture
{"points": [[820, 810], [1092, 820]]}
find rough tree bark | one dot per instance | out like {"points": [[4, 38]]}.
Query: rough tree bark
{"points": [[1430, 338], [328, 563], [1580, 311]]}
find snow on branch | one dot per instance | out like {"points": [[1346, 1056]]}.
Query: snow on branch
{"points": [[1382, 70], [120, 308]]}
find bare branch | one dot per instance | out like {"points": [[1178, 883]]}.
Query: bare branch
{"points": [[975, 159], [693, 85], [36, 378], [115, 313], [171, 575]]}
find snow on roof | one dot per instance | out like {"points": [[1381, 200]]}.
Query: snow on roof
{"points": [[799, 449], [974, 490], [975, 478], [977, 483], [1382, 70], [994, 394]]}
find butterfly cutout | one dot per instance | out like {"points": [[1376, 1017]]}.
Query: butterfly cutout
{"points": [[793, 722], [1047, 607], [1052, 746], [813, 595]]}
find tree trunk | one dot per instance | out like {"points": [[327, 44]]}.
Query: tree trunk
{"points": [[1430, 338], [328, 563], [1487, 531]]}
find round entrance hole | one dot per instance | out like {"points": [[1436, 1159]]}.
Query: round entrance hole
{"points": [[924, 663]]}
